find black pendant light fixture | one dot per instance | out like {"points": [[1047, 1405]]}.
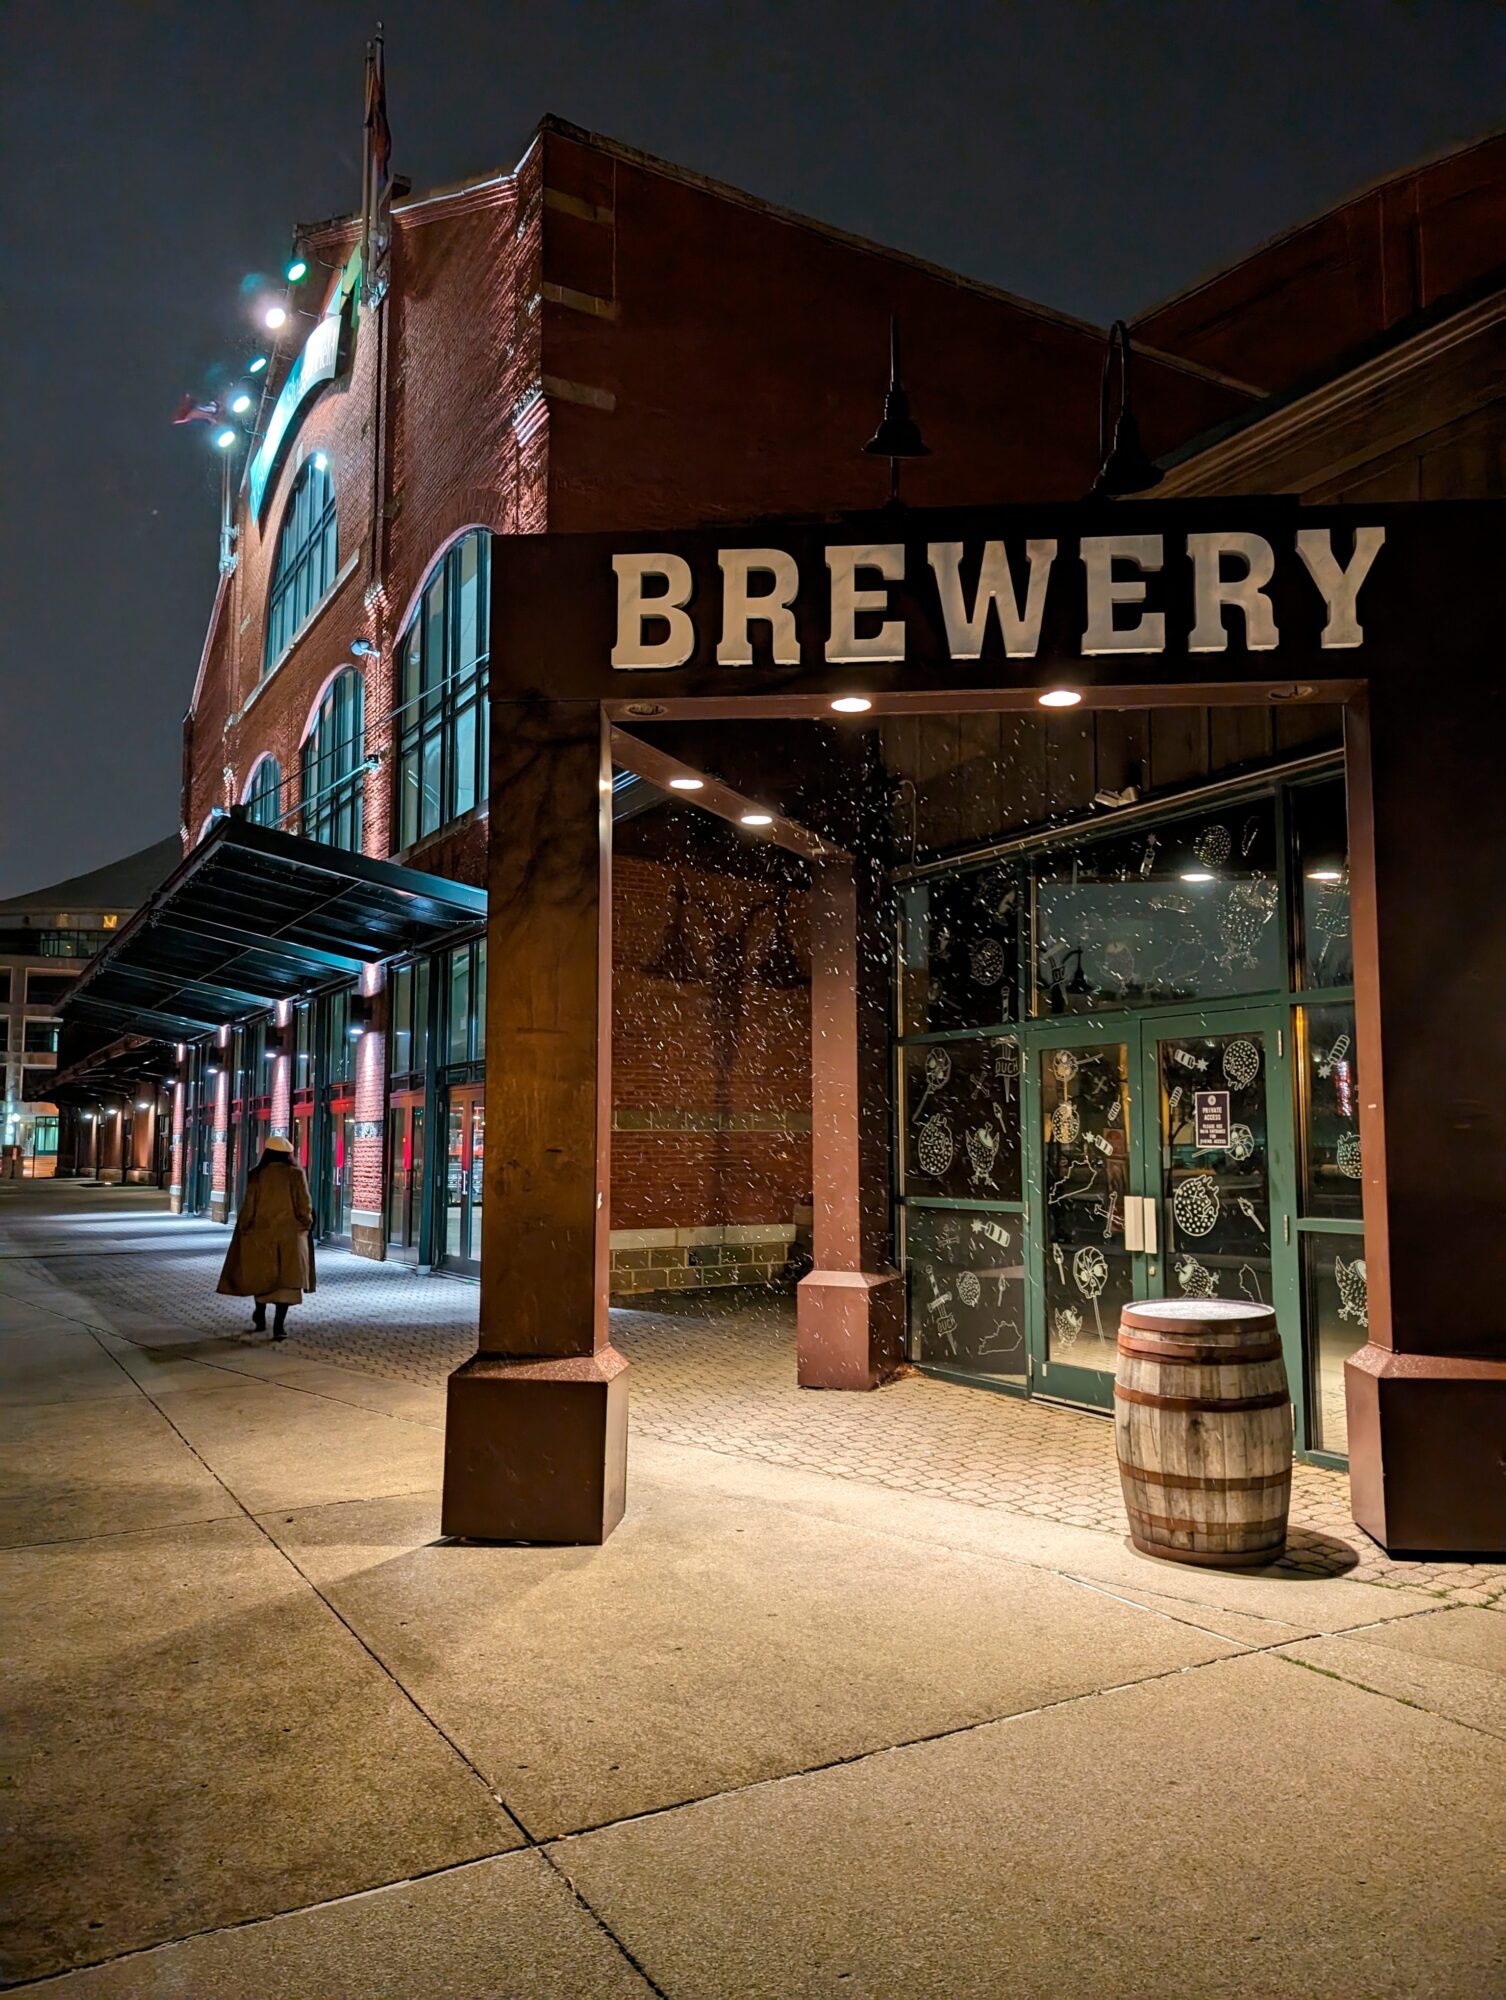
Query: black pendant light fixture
{"points": [[1123, 467], [898, 435]]}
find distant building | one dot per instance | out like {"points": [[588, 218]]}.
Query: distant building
{"points": [[45, 938]]}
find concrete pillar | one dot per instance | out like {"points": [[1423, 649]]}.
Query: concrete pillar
{"points": [[109, 1143], [851, 1304], [219, 1157], [1427, 1394], [536, 1427], [368, 1236], [175, 1182]]}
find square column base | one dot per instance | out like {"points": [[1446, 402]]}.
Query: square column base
{"points": [[536, 1450], [850, 1328], [1427, 1451]]}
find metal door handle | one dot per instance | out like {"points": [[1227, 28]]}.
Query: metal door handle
{"points": [[1151, 1236], [1134, 1227]]}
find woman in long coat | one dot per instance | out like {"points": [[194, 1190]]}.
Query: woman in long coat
{"points": [[271, 1254]]}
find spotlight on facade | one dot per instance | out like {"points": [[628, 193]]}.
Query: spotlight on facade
{"points": [[852, 704], [1059, 698], [256, 364], [240, 404], [142, 1104], [275, 317], [687, 784], [225, 438], [297, 270], [758, 819], [361, 648]]}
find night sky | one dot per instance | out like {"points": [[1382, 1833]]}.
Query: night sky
{"points": [[1095, 157]]}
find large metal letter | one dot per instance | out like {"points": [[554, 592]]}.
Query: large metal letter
{"points": [[888, 642], [1212, 590], [1099, 554], [965, 630], [1340, 587], [632, 649], [739, 608]]}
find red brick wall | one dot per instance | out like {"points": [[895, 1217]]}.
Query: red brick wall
{"points": [[730, 1054]]}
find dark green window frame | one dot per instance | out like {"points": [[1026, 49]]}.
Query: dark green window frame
{"points": [[334, 766], [307, 559], [264, 800], [442, 679]]}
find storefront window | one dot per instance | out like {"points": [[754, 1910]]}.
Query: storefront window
{"points": [[442, 723], [1185, 911], [962, 1118], [959, 952], [1332, 1167], [1337, 1314], [409, 997], [1320, 828], [334, 766], [966, 1285], [306, 560], [465, 1033]]}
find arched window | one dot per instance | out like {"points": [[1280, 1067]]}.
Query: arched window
{"points": [[306, 559], [334, 765], [442, 719], [264, 799]]}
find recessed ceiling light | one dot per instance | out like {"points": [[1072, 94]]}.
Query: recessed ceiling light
{"points": [[1196, 875], [1325, 875], [1059, 698], [687, 784], [852, 704], [758, 819]]}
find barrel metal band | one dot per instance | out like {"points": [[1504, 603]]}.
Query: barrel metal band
{"points": [[1194, 1483], [1200, 1356], [1204, 1531], [1212, 1406]]}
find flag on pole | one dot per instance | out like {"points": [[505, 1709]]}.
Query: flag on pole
{"points": [[376, 234], [192, 411]]}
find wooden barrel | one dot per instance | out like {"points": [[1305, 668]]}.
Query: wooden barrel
{"points": [[1203, 1425]]}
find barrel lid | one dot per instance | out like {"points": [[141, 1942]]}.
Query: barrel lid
{"points": [[1188, 1317]]}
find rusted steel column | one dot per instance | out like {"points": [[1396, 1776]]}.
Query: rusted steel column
{"points": [[536, 1428], [851, 1304], [1427, 1394]]}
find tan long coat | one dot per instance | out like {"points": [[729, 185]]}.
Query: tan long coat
{"points": [[271, 1250]]}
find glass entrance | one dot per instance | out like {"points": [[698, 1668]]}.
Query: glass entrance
{"points": [[465, 1131], [1163, 1168]]}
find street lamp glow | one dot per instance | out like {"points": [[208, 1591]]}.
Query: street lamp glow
{"points": [[275, 317], [1059, 698], [296, 270], [240, 404], [852, 704], [225, 438]]}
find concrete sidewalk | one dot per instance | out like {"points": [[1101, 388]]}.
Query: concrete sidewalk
{"points": [[788, 1733]]}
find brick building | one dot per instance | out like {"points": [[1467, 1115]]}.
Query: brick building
{"points": [[601, 341]]}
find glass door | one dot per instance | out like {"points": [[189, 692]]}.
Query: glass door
{"points": [[1085, 1127], [464, 1128], [1217, 1088]]}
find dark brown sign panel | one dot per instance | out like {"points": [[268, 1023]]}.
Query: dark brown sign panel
{"points": [[1192, 595]]}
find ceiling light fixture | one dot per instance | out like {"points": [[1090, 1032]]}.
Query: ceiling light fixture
{"points": [[1196, 875], [1325, 874], [758, 819], [852, 704], [275, 317], [687, 784], [1059, 698]]}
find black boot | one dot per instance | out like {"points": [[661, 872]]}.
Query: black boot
{"points": [[259, 1319], [280, 1323]]}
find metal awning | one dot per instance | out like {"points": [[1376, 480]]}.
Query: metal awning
{"points": [[118, 1069], [254, 916]]}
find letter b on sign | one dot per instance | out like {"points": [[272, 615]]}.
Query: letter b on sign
{"points": [[635, 607]]}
